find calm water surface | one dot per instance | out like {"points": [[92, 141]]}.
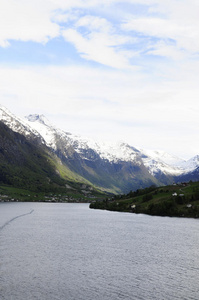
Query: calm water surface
{"points": [[67, 251]]}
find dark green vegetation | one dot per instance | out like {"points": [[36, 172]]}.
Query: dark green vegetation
{"points": [[30, 171], [179, 200]]}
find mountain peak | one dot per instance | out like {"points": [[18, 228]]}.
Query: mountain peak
{"points": [[196, 158], [38, 118]]}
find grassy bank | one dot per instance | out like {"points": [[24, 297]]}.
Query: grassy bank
{"points": [[179, 200]]}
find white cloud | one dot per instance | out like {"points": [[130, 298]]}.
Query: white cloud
{"points": [[99, 47], [26, 21], [109, 104], [156, 27], [39, 21], [94, 23], [99, 41], [166, 49], [173, 20]]}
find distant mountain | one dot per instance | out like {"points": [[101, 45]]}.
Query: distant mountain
{"points": [[116, 168]]}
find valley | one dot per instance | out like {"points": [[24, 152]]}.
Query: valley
{"points": [[36, 158]]}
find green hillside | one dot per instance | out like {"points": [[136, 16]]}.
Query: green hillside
{"points": [[178, 200]]}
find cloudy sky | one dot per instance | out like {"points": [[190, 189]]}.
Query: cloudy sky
{"points": [[109, 69]]}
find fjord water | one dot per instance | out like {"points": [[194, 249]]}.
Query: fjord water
{"points": [[54, 251]]}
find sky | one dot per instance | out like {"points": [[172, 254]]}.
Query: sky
{"points": [[125, 70]]}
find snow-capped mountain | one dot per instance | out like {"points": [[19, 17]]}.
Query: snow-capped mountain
{"points": [[155, 161], [18, 125], [112, 152], [115, 167], [160, 161], [164, 157], [191, 164]]}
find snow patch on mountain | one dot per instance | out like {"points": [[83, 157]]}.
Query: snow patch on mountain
{"points": [[44, 127], [157, 166], [112, 152], [164, 157], [191, 164], [160, 161]]}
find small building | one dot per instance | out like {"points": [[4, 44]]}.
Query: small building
{"points": [[133, 206]]}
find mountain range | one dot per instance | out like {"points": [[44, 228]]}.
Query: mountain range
{"points": [[58, 158]]}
